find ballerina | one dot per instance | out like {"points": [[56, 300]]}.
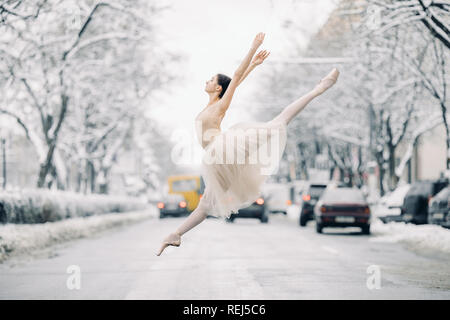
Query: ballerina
{"points": [[233, 185]]}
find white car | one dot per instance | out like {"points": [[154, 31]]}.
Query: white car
{"points": [[277, 197], [392, 202], [390, 205]]}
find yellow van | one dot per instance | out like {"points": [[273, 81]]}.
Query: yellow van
{"points": [[190, 186]]}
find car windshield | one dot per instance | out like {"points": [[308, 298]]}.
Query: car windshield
{"points": [[439, 185], [343, 195], [316, 191], [184, 185], [174, 197], [443, 194], [424, 187]]}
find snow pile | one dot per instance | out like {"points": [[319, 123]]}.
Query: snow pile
{"points": [[422, 238], [25, 238], [43, 205]]}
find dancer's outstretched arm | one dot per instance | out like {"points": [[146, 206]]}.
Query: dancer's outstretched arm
{"points": [[225, 101], [257, 60]]}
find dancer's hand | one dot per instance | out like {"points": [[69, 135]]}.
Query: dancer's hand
{"points": [[259, 38], [260, 57]]}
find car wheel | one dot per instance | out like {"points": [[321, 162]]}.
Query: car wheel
{"points": [[319, 227], [303, 220], [229, 220], [161, 215], [365, 229], [264, 218]]}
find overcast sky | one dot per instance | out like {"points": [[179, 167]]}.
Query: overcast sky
{"points": [[215, 35]]}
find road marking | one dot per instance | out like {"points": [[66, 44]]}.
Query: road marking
{"points": [[329, 249]]}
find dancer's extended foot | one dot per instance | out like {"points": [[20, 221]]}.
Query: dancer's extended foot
{"points": [[173, 239], [327, 82]]}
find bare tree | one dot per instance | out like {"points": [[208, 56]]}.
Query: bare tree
{"points": [[434, 15], [96, 60]]}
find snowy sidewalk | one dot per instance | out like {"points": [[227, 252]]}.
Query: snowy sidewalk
{"points": [[25, 238], [426, 239]]}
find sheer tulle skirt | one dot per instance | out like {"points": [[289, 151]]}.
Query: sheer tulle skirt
{"points": [[238, 161]]}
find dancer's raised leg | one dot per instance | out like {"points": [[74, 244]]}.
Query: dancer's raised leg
{"points": [[196, 217], [298, 105]]}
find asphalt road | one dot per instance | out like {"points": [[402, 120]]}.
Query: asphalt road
{"points": [[218, 260]]}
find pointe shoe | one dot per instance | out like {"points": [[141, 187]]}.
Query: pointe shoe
{"points": [[327, 82], [173, 239]]}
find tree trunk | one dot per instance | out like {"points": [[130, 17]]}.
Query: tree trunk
{"points": [[303, 164], [3, 163], [46, 166], [79, 179], [393, 179], [92, 175], [104, 184], [380, 163], [341, 174], [350, 177], [447, 133], [332, 172]]}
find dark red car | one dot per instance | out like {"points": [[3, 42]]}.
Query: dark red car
{"points": [[342, 207]]}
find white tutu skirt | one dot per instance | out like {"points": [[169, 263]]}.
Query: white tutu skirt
{"points": [[237, 162]]}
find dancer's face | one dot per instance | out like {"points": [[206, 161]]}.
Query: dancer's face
{"points": [[212, 85]]}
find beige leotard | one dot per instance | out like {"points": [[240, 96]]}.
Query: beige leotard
{"points": [[207, 124]]}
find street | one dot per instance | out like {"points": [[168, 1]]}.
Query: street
{"points": [[218, 260]]}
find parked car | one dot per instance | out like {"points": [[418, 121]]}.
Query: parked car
{"points": [[257, 209], [415, 205], [439, 207], [296, 188], [310, 196], [393, 201], [342, 207], [277, 197], [172, 205], [390, 205]]}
